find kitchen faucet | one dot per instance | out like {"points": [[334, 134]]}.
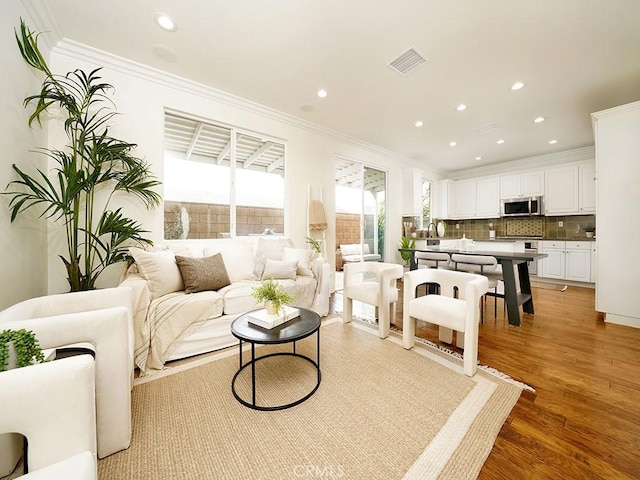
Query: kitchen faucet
{"points": [[429, 229]]}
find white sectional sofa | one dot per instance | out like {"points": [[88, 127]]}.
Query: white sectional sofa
{"points": [[170, 323], [353, 252]]}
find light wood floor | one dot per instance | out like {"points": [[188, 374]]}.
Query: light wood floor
{"points": [[583, 422]]}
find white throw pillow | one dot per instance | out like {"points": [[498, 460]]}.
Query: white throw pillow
{"points": [[302, 256], [280, 270], [269, 247], [237, 256], [349, 249], [159, 269]]}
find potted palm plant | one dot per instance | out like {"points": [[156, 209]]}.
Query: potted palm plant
{"points": [[94, 169]]}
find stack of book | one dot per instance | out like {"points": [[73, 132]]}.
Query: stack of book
{"points": [[265, 320]]}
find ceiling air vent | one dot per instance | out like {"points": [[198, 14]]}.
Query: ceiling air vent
{"points": [[485, 128], [408, 62]]}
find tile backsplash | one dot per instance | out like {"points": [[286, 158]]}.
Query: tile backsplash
{"points": [[547, 227]]}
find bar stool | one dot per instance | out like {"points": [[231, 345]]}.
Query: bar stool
{"points": [[433, 259], [485, 265]]}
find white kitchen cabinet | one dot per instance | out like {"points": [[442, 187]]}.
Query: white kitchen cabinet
{"points": [[587, 188], [553, 265], [528, 184], [477, 198], [465, 199], [487, 198], [567, 260], [578, 261], [561, 190], [443, 200]]}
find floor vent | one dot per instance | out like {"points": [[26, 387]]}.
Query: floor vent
{"points": [[408, 62]]}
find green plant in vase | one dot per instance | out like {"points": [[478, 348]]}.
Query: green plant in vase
{"points": [[272, 295], [26, 346], [313, 243], [407, 242]]}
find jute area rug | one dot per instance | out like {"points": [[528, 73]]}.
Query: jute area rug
{"points": [[381, 412]]}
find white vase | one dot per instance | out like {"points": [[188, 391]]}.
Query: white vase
{"points": [[440, 229], [270, 308]]}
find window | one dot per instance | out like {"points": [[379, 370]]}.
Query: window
{"points": [[426, 202], [220, 182]]}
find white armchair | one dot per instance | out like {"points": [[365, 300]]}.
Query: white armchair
{"points": [[455, 307], [53, 406], [103, 319], [373, 283]]}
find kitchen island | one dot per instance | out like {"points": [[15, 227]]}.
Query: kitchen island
{"points": [[517, 291]]}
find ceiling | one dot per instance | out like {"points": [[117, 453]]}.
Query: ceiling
{"points": [[574, 57]]}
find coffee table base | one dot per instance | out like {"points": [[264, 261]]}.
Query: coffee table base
{"points": [[253, 382]]}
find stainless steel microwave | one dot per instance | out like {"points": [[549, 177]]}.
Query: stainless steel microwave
{"points": [[521, 207]]}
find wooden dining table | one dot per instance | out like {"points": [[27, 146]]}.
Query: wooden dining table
{"points": [[516, 292]]}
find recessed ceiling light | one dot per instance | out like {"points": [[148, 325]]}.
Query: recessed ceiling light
{"points": [[478, 158], [517, 86], [553, 142], [322, 93], [165, 22], [461, 107], [500, 142], [539, 120], [452, 144], [419, 123]]}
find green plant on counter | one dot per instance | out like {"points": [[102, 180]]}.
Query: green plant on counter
{"points": [[273, 292], [26, 346], [407, 242]]}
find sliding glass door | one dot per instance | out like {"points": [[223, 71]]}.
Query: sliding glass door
{"points": [[360, 207]]}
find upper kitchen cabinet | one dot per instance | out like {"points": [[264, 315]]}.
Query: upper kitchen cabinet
{"points": [[487, 198], [529, 184], [442, 196], [561, 190], [570, 190], [587, 188], [477, 198]]}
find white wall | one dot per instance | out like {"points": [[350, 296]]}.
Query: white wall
{"points": [[143, 94], [23, 268]]}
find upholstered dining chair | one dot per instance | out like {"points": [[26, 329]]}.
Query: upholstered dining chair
{"points": [[373, 283], [455, 307], [484, 265], [101, 320], [53, 405]]}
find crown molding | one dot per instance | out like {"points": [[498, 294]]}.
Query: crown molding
{"points": [[528, 163], [83, 52]]}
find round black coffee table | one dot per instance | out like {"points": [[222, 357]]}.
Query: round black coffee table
{"points": [[295, 329]]}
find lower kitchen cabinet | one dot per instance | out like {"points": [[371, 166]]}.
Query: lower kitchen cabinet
{"points": [[567, 260]]}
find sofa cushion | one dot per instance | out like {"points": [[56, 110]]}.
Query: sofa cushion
{"points": [[280, 269], [302, 256], [159, 269], [350, 249], [269, 247], [237, 256], [238, 298], [206, 273]]}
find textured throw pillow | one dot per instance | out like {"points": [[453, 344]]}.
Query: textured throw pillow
{"points": [[269, 247], [159, 269], [204, 273], [280, 269], [302, 256]]}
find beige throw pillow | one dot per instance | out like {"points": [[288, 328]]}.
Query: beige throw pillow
{"points": [[159, 269], [302, 256], [205, 273], [280, 269]]}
